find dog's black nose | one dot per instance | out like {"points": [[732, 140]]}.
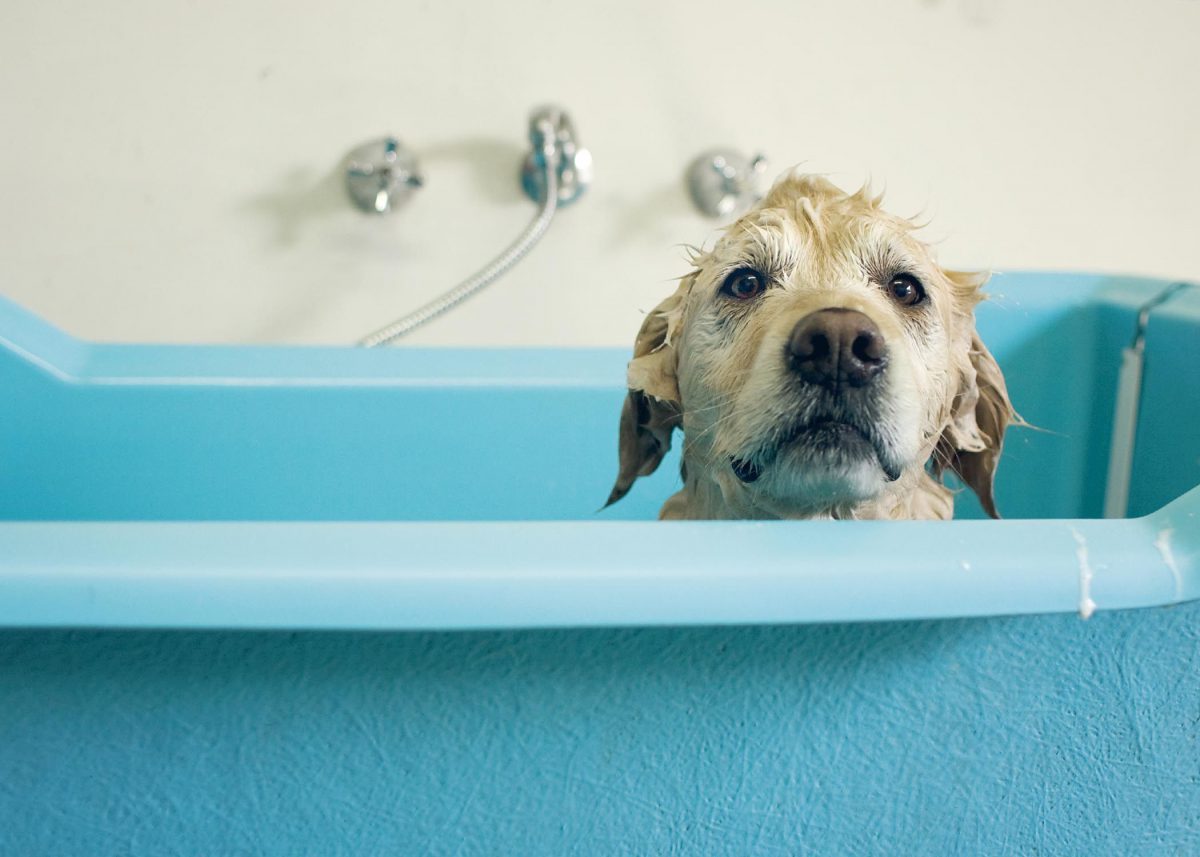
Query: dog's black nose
{"points": [[832, 347]]}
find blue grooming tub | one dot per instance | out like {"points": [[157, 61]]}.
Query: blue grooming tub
{"points": [[334, 601]]}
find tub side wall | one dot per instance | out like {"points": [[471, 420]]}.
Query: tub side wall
{"points": [[1005, 736], [1167, 461]]}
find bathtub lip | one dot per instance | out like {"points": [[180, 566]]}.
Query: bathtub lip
{"points": [[491, 575]]}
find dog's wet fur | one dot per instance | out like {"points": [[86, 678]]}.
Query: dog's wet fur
{"points": [[820, 364]]}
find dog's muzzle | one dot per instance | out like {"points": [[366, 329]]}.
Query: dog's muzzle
{"points": [[842, 352]]}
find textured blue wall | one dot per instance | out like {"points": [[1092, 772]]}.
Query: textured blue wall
{"points": [[1043, 735]]}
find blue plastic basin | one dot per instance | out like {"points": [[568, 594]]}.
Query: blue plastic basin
{"points": [[147, 492]]}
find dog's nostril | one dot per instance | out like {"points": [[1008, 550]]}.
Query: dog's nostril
{"points": [[867, 347], [818, 347]]}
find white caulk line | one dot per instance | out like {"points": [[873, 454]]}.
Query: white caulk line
{"points": [[1163, 543], [1086, 605]]}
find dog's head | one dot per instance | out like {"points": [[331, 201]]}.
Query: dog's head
{"points": [[817, 360]]}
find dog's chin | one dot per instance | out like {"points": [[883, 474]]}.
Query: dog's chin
{"points": [[824, 466], [824, 478]]}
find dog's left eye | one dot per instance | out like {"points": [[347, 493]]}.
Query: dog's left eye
{"points": [[906, 290], [744, 284]]}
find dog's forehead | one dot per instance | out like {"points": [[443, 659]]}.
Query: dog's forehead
{"points": [[802, 215]]}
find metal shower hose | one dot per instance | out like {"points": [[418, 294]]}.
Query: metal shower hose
{"points": [[513, 254]]}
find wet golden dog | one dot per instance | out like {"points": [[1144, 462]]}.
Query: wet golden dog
{"points": [[820, 364]]}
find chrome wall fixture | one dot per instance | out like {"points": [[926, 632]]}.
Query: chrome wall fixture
{"points": [[382, 175], [1126, 409], [556, 172], [573, 164], [723, 182]]}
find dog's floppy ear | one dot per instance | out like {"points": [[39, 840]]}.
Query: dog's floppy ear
{"points": [[970, 444], [652, 408]]}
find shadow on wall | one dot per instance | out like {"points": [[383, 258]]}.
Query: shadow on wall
{"points": [[653, 218], [301, 198]]}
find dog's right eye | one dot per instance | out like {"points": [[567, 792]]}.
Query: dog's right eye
{"points": [[744, 284], [906, 290]]}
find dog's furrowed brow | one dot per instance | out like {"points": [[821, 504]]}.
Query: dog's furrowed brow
{"points": [[883, 259], [767, 245]]}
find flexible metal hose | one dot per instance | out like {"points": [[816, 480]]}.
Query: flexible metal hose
{"points": [[513, 254]]}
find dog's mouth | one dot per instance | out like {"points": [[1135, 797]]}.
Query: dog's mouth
{"points": [[820, 436]]}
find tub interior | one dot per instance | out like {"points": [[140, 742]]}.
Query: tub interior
{"points": [[230, 433]]}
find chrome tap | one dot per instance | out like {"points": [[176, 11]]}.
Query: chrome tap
{"points": [[382, 175]]}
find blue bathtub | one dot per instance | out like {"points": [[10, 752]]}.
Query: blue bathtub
{"points": [[332, 601]]}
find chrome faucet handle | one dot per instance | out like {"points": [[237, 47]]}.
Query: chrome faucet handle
{"points": [[724, 182], [553, 140], [381, 175]]}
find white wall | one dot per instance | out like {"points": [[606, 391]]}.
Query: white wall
{"points": [[168, 166]]}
